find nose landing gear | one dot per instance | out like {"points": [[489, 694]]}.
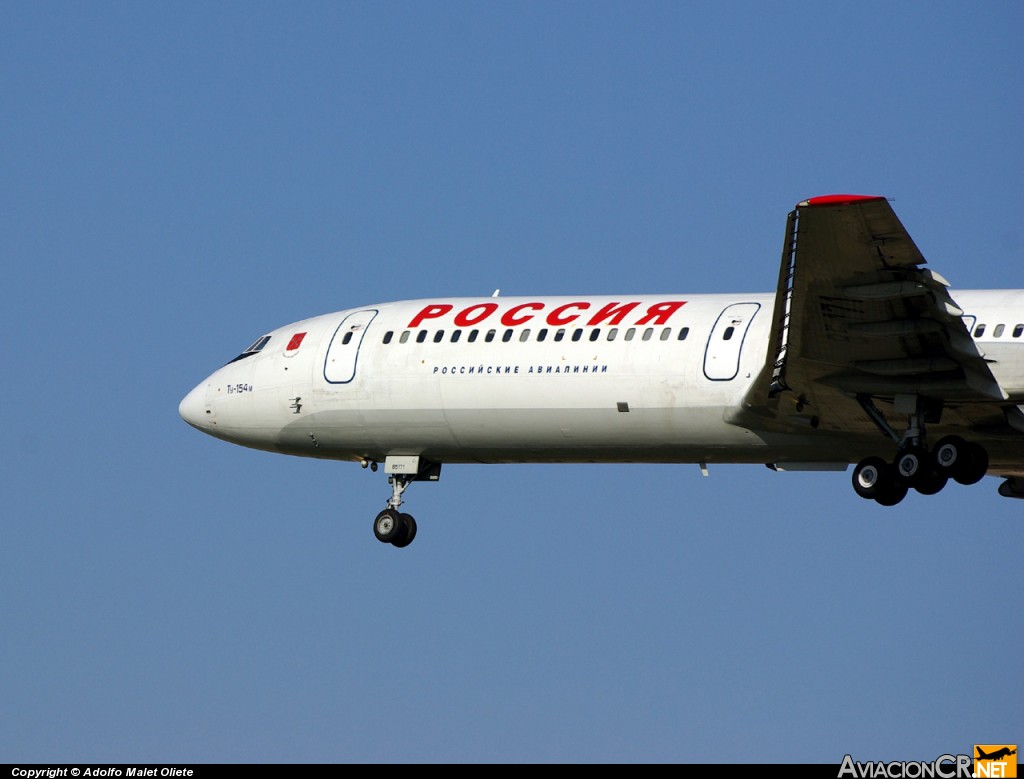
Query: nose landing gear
{"points": [[392, 526]]}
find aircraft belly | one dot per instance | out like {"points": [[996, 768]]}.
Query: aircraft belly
{"points": [[588, 427], [520, 435], [595, 434]]}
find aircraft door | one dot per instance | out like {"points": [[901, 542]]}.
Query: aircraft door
{"points": [[343, 352], [722, 356]]}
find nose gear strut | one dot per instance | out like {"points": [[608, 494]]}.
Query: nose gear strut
{"points": [[392, 526]]}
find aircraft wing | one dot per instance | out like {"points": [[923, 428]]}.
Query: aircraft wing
{"points": [[857, 314]]}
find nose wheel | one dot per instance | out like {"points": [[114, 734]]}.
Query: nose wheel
{"points": [[395, 528]]}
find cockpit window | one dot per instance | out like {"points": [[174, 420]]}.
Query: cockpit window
{"points": [[256, 347]]}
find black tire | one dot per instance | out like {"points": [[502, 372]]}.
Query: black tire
{"points": [[912, 465], [971, 468], [931, 482], [869, 473], [408, 532], [388, 526], [891, 492], [948, 452]]}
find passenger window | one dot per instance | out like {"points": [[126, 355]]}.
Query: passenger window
{"points": [[456, 334], [421, 336], [472, 335], [979, 331], [612, 333], [525, 335], [998, 331], [630, 333], [1018, 331], [683, 332], [595, 334], [577, 334], [346, 339], [404, 337], [666, 333], [648, 333], [490, 336], [728, 333], [542, 334], [506, 336], [439, 336], [560, 334], [387, 336]]}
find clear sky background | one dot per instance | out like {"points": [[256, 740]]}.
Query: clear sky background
{"points": [[179, 178]]}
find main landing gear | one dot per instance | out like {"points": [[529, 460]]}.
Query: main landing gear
{"points": [[392, 526], [915, 466]]}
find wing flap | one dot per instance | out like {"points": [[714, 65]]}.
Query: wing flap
{"points": [[856, 313]]}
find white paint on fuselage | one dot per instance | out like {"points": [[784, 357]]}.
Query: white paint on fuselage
{"points": [[530, 400]]}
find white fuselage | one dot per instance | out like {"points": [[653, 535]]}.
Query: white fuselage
{"points": [[554, 379]]}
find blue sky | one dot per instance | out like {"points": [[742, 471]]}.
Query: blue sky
{"points": [[178, 179]]}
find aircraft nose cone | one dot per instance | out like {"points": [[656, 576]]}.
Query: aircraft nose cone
{"points": [[193, 407]]}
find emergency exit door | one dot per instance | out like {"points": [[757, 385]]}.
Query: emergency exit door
{"points": [[343, 353], [722, 356]]}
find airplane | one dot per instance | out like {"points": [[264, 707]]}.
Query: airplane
{"points": [[997, 755], [860, 356]]}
